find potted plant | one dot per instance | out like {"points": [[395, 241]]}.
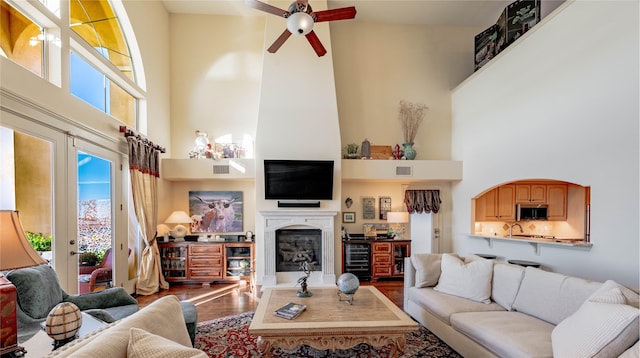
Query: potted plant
{"points": [[88, 258], [39, 242]]}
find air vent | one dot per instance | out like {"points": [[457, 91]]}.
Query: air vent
{"points": [[404, 170], [220, 169]]}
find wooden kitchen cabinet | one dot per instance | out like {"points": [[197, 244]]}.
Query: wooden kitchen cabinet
{"points": [[497, 204], [387, 258], [557, 202], [531, 193]]}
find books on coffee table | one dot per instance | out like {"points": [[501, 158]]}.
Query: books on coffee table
{"points": [[290, 311]]}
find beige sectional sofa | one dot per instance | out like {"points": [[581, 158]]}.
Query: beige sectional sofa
{"points": [[486, 308], [157, 330]]}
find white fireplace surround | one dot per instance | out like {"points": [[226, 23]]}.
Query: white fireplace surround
{"points": [[298, 219]]}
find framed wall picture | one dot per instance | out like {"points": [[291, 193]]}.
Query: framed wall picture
{"points": [[385, 206], [215, 211], [348, 217], [368, 208]]}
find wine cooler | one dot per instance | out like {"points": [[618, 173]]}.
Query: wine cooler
{"points": [[356, 258]]}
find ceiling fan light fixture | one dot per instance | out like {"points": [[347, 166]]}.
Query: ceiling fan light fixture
{"points": [[300, 23]]}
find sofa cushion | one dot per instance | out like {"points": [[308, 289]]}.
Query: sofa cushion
{"points": [[552, 296], [427, 269], [507, 334], [633, 352], [470, 280], [443, 305], [604, 326], [506, 283], [38, 290], [143, 344]]}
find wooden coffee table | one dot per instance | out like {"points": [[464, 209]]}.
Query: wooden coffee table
{"points": [[329, 323]]}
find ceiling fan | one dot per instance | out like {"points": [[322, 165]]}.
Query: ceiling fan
{"points": [[300, 19]]}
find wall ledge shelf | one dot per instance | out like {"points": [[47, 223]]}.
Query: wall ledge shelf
{"points": [[202, 169], [535, 243], [401, 170]]}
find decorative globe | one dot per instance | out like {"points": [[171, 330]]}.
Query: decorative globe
{"points": [[348, 283], [64, 321]]}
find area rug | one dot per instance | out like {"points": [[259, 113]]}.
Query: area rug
{"points": [[229, 337]]}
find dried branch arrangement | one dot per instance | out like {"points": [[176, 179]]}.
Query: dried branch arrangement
{"points": [[411, 116]]}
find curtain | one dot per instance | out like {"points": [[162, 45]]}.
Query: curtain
{"points": [[144, 170], [422, 201]]}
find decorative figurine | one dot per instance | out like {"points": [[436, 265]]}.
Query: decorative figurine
{"points": [[348, 284], [397, 153], [306, 267]]}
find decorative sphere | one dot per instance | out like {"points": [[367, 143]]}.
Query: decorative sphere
{"points": [[300, 23], [63, 321], [348, 283]]}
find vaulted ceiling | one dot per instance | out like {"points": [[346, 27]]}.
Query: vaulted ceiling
{"points": [[425, 12]]}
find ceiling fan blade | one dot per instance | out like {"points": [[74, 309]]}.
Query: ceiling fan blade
{"points": [[316, 44], [343, 13], [279, 41], [259, 5]]}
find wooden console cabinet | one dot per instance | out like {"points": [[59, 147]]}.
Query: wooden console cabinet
{"points": [[375, 259], [207, 262]]}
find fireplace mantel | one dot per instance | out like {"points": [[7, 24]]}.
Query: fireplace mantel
{"points": [[317, 219]]}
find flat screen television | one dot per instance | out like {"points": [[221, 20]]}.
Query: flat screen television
{"points": [[298, 179]]}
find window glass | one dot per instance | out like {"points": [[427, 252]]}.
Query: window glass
{"points": [[22, 39], [96, 23], [52, 5], [92, 86]]}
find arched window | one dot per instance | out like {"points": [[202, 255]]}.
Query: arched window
{"points": [[101, 69]]}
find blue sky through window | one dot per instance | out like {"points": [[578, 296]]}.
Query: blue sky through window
{"points": [[94, 178]]}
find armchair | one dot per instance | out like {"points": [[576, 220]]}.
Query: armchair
{"points": [[38, 291], [93, 276]]}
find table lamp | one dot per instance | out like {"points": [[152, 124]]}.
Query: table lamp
{"points": [[179, 218], [398, 218], [15, 252]]}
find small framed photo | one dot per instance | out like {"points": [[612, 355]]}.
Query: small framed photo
{"points": [[349, 217], [369, 230]]}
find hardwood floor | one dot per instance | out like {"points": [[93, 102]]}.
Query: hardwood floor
{"points": [[220, 300]]}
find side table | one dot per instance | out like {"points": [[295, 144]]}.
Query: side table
{"points": [[41, 344]]}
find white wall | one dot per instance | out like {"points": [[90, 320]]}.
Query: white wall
{"points": [[562, 104]]}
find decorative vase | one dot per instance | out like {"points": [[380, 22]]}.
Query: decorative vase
{"points": [[409, 152]]}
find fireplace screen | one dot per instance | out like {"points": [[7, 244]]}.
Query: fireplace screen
{"points": [[294, 246]]}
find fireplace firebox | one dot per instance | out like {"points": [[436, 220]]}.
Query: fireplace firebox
{"points": [[294, 246]]}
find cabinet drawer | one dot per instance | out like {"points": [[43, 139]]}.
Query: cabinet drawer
{"points": [[202, 274], [207, 262], [381, 259], [382, 270], [382, 247], [206, 249]]}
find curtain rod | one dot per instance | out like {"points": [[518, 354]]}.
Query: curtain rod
{"points": [[130, 133]]}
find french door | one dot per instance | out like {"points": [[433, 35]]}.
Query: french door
{"points": [[69, 189]]}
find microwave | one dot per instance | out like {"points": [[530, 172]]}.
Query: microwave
{"points": [[531, 212]]}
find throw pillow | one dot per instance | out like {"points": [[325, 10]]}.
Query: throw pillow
{"points": [[144, 344], [604, 326], [427, 269], [471, 280], [632, 298]]}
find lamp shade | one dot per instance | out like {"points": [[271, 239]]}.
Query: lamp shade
{"points": [[15, 250], [397, 217], [178, 217], [300, 23]]}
